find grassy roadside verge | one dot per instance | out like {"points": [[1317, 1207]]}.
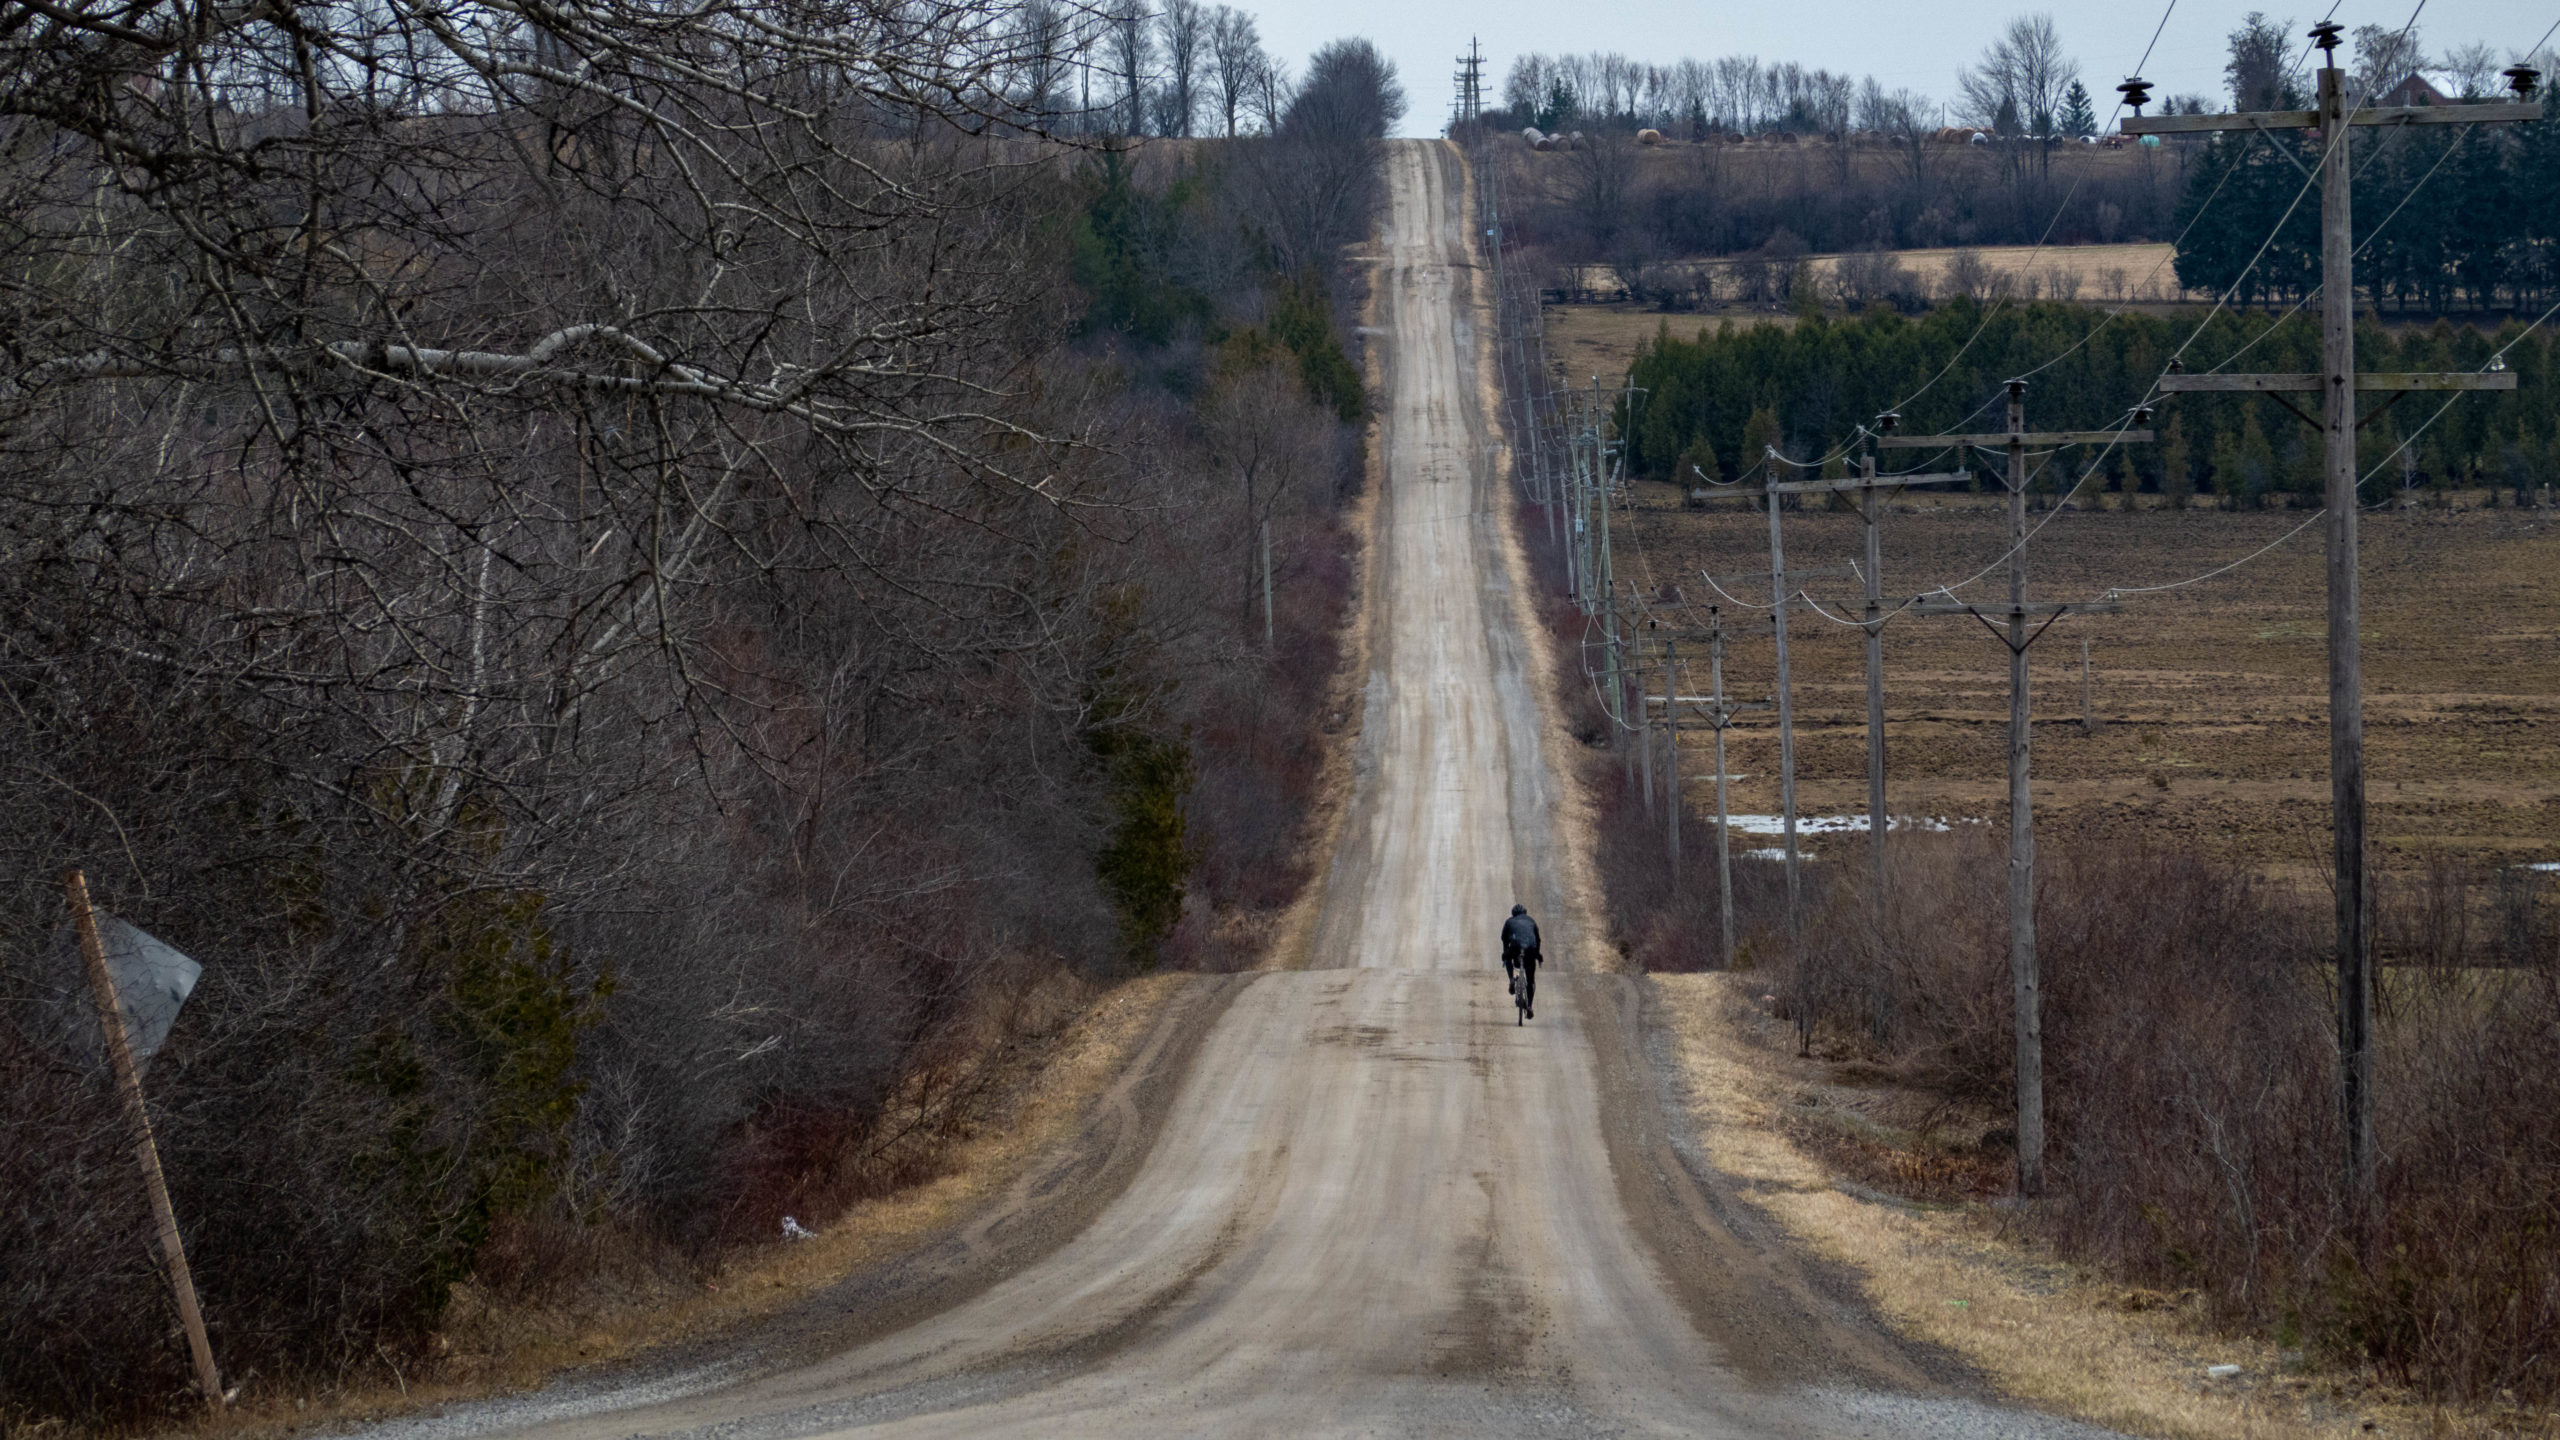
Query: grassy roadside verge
{"points": [[1954, 1275]]}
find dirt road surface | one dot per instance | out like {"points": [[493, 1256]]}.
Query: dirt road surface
{"points": [[1378, 1206]]}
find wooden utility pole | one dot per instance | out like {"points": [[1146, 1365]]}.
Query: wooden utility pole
{"points": [[1719, 713], [1784, 583], [2024, 983], [1778, 590], [1871, 488], [2338, 384], [1671, 754], [164, 1216]]}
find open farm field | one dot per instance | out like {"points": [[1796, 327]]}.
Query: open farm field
{"points": [[2093, 274], [1602, 340], [2211, 700]]}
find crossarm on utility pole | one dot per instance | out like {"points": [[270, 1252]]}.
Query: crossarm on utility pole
{"points": [[2018, 637], [2473, 113], [2303, 382], [2041, 437], [1860, 482]]}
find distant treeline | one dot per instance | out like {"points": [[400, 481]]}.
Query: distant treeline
{"points": [[1714, 402]]}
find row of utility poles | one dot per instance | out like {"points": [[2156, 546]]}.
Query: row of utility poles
{"points": [[1574, 469]]}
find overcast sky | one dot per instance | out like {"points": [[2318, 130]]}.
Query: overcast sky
{"points": [[1901, 44]]}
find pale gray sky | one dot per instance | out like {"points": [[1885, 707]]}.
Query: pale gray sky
{"points": [[1899, 43]]}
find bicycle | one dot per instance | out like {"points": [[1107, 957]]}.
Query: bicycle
{"points": [[1524, 983]]}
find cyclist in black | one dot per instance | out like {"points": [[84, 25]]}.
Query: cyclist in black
{"points": [[1520, 953]]}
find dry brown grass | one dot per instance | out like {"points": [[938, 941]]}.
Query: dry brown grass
{"points": [[1602, 339], [1957, 1277], [2212, 700], [2094, 274]]}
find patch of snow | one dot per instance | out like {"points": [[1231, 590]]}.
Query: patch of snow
{"points": [[1841, 824]]}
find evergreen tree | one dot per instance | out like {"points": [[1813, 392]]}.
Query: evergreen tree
{"points": [[1698, 464], [1760, 435], [2079, 117]]}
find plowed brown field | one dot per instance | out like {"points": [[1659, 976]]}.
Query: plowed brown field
{"points": [[2212, 700]]}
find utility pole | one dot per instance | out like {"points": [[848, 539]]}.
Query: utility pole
{"points": [[1871, 488], [1720, 713], [2024, 982], [1783, 583], [146, 1149], [1471, 87], [2338, 385], [1671, 752], [1778, 590]]}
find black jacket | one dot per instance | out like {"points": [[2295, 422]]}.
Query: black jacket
{"points": [[1520, 932]]}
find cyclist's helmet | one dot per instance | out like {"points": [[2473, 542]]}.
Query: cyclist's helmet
{"points": [[1519, 909]]}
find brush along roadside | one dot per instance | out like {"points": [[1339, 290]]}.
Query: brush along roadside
{"points": [[1886, 1184], [1043, 1109]]}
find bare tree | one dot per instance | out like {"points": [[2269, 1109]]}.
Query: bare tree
{"points": [[1048, 45], [1318, 186], [1129, 48], [489, 511], [1184, 30], [1236, 64], [1907, 121], [1272, 93], [2021, 80], [2473, 69], [2384, 57], [2257, 72]]}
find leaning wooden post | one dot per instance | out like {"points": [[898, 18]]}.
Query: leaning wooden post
{"points": [[102, 987]]}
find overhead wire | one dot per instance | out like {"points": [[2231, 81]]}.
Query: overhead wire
{"points": [[2033, 251], [2497, 359], [2108, 447], [2153, 390], [2201, 211]]}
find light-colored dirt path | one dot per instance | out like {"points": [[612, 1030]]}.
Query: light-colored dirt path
{"points": [[1379, 1206]]}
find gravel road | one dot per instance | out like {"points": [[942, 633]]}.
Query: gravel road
{"points": [[1376, 1206]]}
